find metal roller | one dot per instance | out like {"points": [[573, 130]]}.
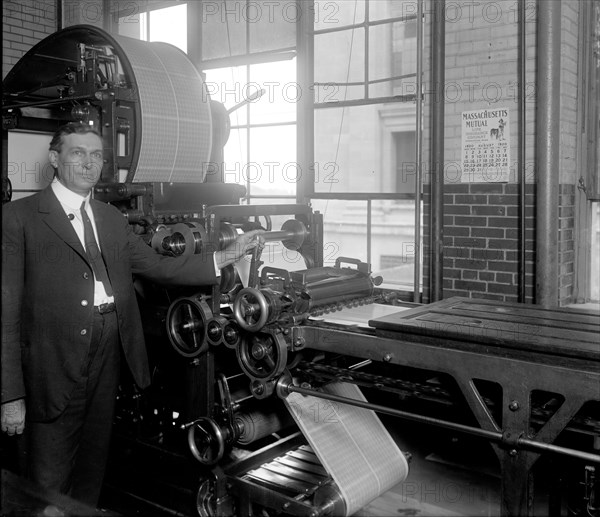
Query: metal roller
{"points": [[334, 290], [260, 423], [161, 233], [292, 235], [147, 98], [231, 334], [214, 329], [185, 239], [191, 237]]}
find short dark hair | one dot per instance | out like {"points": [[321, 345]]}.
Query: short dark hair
{"points": [[70, 129]]}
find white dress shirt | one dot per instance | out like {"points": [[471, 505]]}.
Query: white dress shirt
{"points": [[71, 204]]}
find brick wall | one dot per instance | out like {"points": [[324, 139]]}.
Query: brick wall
{"points": [[480, 219], [481, 241], [566, 243], [25, 23]]}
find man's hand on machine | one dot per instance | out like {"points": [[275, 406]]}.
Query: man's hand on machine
{"points": [[13, 417], [244, 244]]}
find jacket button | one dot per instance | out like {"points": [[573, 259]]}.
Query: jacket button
{"points": [[83, 332], [84, 303], [85, 275]]}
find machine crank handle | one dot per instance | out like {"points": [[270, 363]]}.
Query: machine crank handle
{"points": [[187, 425], [206, 440]]}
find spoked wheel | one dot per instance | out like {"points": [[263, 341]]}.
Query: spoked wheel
{"points": [[186, 326], [251, 309], [206, 441], [263, 356]]}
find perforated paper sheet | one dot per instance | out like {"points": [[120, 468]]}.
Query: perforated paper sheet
{"points": [[176, 133], [352, 444]]}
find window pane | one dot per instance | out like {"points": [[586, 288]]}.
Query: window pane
{"points": [[406, 163], [272, 25], [278, 103], [236, 157], [339, 58], [392, 53], [272, 169], [356, 149], [225, 23], [223, 29], [332, 14], [344, 229], [393, 242], [382, 9], [228, 86], [170, 25], [134, 25], [392, 237]]}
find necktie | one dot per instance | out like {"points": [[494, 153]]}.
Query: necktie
{"points": [[93, 252]]}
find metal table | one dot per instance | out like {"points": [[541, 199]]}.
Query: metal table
{"points": [[521, 348]]}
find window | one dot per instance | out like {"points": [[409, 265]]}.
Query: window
{"points": [[343, 102], [248, 54], [366, 133], [166, 24], [261, 150]]}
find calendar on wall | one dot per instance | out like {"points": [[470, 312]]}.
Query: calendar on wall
{"points": [[485, 146]]}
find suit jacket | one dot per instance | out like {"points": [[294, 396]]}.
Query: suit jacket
{"points": [[48, 297]]}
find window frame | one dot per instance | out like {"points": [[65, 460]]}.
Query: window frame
{"points": [[585, 287], [306, 119]]}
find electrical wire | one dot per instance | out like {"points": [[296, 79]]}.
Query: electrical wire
{"points": [[337, 150]]}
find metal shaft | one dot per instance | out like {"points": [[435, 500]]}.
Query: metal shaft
{"points": [[279, 235], [484, 433]]}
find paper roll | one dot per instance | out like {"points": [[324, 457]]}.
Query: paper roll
{"points": [[351, 443], [176, 132]]}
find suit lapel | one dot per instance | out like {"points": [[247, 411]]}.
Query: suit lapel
{"points": [[105, 234], [54, 216]]}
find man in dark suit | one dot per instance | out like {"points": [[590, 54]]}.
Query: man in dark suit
{"points": [[69, 313]]}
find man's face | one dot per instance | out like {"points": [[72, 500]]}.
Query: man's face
{"points": [[79, 162]]}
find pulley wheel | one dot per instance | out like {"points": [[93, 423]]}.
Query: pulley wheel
{"points": [[262, 356], [186, 326]]}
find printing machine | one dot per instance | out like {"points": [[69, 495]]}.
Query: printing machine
{"points": [[211, 436]]}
